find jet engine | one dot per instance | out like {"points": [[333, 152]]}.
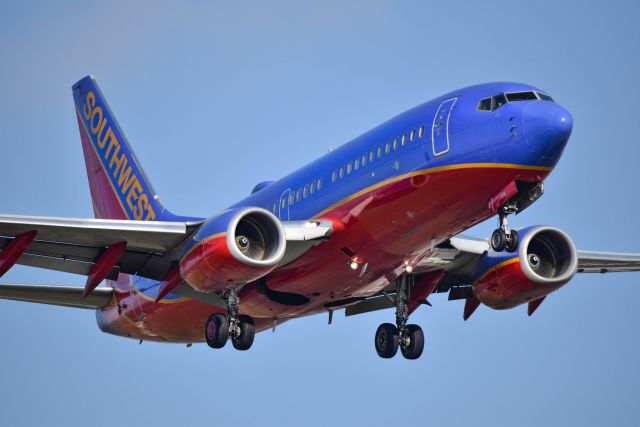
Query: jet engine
{"points": [[545, 260], [238, 246]]}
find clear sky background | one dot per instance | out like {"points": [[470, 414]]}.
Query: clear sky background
{"points": [[217, 96]]}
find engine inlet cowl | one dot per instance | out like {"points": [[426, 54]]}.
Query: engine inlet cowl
{"points": [[545, 260], [238, 246], [548, 255]]}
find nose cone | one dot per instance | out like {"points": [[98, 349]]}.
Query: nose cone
{"points": [[547, 127]]}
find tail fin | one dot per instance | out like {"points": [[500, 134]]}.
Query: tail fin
{"points": [[119, 187]]}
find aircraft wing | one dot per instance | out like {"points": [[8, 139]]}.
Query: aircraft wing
{"points": [[607, 262], [74, 245], [458, 257]]}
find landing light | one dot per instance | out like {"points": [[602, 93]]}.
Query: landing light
{"points": [[353, 264], [409, 268]]}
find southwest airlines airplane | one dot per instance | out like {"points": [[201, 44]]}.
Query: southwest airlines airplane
{"points": [[372, 225]]}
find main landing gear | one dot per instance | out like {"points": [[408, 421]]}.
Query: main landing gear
{"points": [[504, 237], [240, 328], [409, 338]]}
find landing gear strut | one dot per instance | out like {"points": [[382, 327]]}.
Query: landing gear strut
{"points": [[504, 237], [409, 338], [240, 328]]}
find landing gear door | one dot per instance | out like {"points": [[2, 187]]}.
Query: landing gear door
{"points": [[283, 207], [440, 128]]}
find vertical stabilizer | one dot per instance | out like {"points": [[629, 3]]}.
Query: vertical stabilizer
{"points": [[119, 187]]}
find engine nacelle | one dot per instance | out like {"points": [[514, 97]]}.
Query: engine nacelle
{"points": [[238, 246], [546, 259]]}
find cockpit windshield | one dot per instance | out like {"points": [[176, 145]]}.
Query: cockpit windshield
{"points": [[521, 96], [497, 101]]}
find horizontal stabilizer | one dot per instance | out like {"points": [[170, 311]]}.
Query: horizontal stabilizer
{"points": [[67, 296]]}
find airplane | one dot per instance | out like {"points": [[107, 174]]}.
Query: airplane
{"points": [[372, 225]]}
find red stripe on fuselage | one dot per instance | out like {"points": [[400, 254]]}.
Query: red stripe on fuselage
{"points": [[386, 226]]}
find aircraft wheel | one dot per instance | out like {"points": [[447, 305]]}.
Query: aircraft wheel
{"points": [[216, 330], [498, 240], [415, 347], [512, 244], [387, 339], [247, 333]]}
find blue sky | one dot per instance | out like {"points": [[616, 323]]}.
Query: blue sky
{"points": [[218, 96]]}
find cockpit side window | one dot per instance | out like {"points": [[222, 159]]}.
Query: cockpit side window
{"points": [[499, 101], [485, 104], [545, 97], [521, 96]]}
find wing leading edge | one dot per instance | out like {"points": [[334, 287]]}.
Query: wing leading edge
{"points": [[76, 245]]}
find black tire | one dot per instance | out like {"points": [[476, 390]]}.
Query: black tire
{"points": [[216, 330], [512, 244], [247, 333], [386, 340], [498, 240], [416, 343]]}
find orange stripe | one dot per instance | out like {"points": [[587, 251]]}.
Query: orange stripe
{"points": [[202, 242], [497, 267]]}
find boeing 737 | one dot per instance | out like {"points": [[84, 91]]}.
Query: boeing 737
{"points": [[372, 225]]}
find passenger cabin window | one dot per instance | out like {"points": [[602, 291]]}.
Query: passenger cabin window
{"points": [[395, 143], [349, 168], [356, 164], [334, 176], [341, 171], [291, 198], [521, 96], [387, 148], [299, 194], [412, 136], [404, 139], [364, 160], [379, 152], [421, 132], [319, 184], [312, 189], [372, 155], [305, 192]]}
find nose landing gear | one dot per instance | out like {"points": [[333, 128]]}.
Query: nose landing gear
{"points": [[409, 338], [504, 237], [240, 328]]}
